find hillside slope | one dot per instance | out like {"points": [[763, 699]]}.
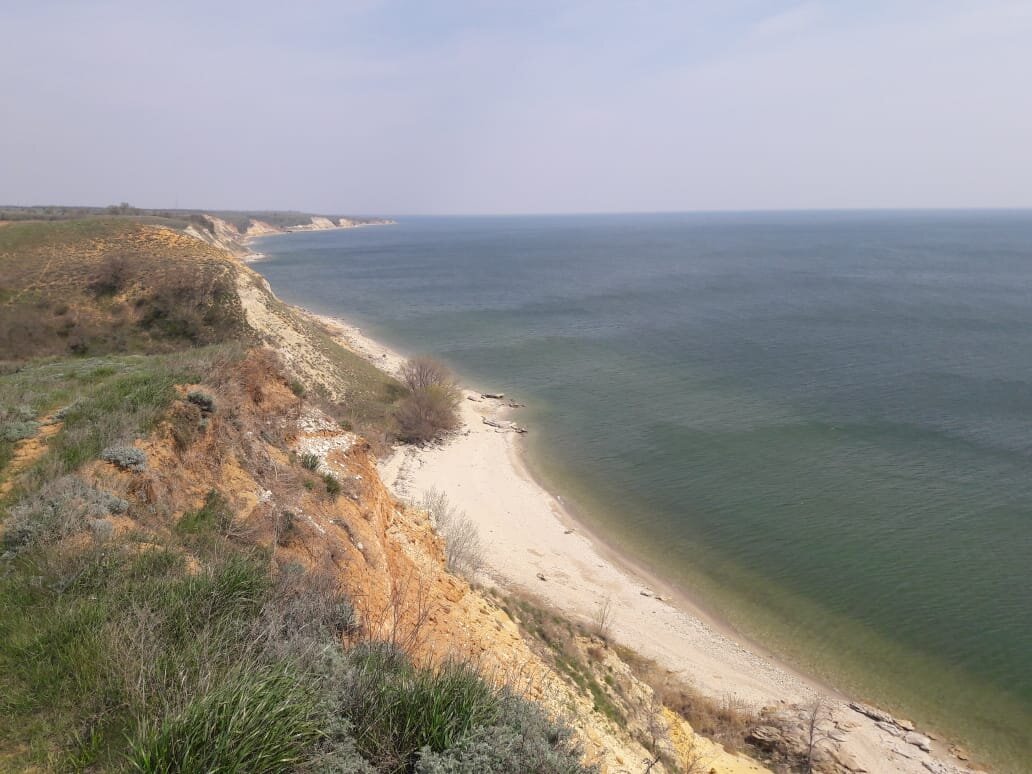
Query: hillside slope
{"points": [[201, 569]]}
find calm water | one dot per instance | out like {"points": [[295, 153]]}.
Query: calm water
{"points": [[821, 424]]}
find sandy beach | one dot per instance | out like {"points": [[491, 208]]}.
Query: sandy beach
{"points": [[532, 543]]}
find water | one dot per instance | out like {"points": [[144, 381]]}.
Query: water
{"points": [[819, 423]]}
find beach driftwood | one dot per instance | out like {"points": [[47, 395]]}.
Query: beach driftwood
{"points": [[503, 425]]}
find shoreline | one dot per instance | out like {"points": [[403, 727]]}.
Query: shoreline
{"points": [[534, 542], [247, 239]]}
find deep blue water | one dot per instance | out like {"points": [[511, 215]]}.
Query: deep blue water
{"points": [[820, 423]]}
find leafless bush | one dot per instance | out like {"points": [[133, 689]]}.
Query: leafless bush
{"points": [[432, 406], [426, 415], [112, 275], [816, 730], [303, 609], [401, 620], [463, 550], [602, 619], [421, 373]]}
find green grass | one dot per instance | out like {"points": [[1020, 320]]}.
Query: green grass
{"points": [[25, 237], [259, 720], [132, 638], [118, 659], [213, 516], [397, 710], [103, 401]]}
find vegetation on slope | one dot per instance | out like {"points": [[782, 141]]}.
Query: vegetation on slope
{"points": [[137, 634], [94, 287]]}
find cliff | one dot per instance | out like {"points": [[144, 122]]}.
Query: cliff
{"points": [[188, 489]]}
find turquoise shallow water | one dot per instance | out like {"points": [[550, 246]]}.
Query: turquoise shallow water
{"points": [[819, 423]]}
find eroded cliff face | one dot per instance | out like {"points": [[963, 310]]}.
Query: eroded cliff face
{"points": [[387, 557], [383, 554]]}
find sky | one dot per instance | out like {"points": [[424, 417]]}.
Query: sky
{"points": [[522, 106]]}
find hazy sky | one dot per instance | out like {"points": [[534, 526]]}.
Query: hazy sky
{"points": [[381, 106]]}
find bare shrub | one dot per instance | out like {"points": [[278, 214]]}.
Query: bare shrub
{"points": [[462, 547], [817, 728], [112, 275], [401, 620], [432, 406], [426, 415], [303, 610], [688, 758], [726, 720], [186, 422], [258, 370], [422, 373], [602, 619]]}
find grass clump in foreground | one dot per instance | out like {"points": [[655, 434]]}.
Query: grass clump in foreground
{"points": [[258, 719], [123, 660], [446, 720]]}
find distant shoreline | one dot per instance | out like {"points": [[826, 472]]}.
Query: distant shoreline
{"points": [[253, 257]]}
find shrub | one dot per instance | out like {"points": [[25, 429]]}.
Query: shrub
{"points": [[112, 275], [424, 416], [432, 406], [422, 373], [306, 611], [522, 739], [285, 527], [463, 550], [298, 388], [187, 422], [18, 430], [125, 457], [202, 400], [61, 508], [310, 461], [332, 484]]}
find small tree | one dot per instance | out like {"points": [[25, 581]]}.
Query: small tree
{"points": [[816, 730]]}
